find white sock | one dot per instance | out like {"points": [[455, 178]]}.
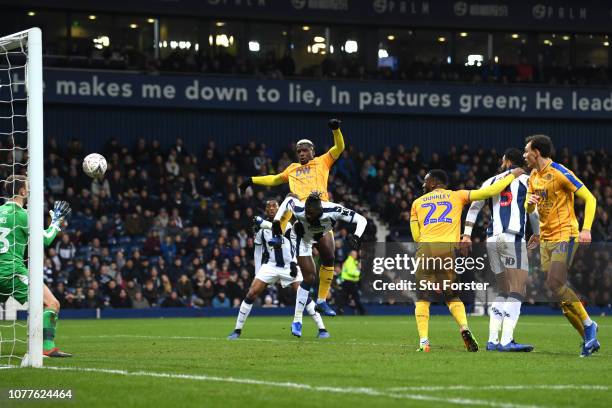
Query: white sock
{"points": [[424, 341], [310, 309], [300, 303], [512, 311], [587, 322], [496, 317], [243, 313]]}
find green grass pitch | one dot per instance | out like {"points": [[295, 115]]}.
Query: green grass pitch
{"points": [[369, 361]]}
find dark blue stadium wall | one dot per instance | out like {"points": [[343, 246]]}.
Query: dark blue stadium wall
{"points": [[369, 133]]}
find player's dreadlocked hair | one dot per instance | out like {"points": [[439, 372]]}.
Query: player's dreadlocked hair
{"points": [[314, 196]]}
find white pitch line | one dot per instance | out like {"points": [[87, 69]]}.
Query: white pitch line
{"points": [[504, 387], [299, 386]]}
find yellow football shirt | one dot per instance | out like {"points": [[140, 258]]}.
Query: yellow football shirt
{"points": [[555, 185], [439, 215], [303, 179]]}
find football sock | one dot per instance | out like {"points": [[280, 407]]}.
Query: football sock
{"points": [[310, 309], [571, 300], [300, 301], [421, 312], [573, 319], [326, 274], [512, 311], [49, 325], [243, 313], [457, 309], [496, 318]]}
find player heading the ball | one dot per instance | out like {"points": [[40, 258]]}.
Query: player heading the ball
{"points": [[311, 174], [315, 218]]}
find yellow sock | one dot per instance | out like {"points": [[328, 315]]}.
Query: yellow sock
{"points": [[326, 274], [568, 297], [573, 319], [421, 312], [285, 219], [458, 311]]}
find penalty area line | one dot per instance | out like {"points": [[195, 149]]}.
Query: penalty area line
{"points": [[298, 386], [589, 387]]}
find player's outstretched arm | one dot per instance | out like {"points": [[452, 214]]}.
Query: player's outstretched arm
{"points": [[269, 180], [338, 147], [61, 211], [495, 188], [589, 213]]}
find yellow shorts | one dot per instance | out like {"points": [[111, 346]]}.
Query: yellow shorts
{"points": [[558, 251]]}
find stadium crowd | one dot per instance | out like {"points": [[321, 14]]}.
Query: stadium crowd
{"points": [[336, 67], [167, 228]]}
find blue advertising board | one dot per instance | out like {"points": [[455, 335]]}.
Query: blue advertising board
{"points": [[380, 97]]}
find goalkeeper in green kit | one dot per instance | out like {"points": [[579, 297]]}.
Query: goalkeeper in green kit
{"points": [[13, 241]]}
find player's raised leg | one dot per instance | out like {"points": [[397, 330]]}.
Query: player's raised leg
{"points": [[326, 272], [50, 317], [255, 290]]}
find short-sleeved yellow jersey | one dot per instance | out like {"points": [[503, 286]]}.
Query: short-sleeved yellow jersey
{"points": [[555, 185], [439, 215], [303, 179]]}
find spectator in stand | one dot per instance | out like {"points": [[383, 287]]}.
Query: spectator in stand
{"points": [[140, 302], [172, 301], [220, 301]]}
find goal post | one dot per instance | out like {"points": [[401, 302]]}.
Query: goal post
{"points": [[28, 43]]}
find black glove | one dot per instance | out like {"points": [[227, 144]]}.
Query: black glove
{"points": [[294, 269], [244, 185], [354, 242], [334, 124]]}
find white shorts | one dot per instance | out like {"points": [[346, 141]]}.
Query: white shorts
{"points": [[272, 274], [304, 247], [506, 252]]}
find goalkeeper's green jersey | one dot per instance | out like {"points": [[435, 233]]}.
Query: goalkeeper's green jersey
{"points": [[14, 238]]}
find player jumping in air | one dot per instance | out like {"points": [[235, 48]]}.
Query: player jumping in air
{"points": [[274, 264], [13, 241], [551, 191], [311, 174], [435, 223], [507, 251], [315, 218]]}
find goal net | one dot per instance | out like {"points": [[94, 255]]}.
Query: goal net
{"points": [[21, 153]]}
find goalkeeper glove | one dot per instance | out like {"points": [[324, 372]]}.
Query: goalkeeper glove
{"points": [[244, 185], [61, 211], [294, 269], [354, 242], [334, 124]]}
